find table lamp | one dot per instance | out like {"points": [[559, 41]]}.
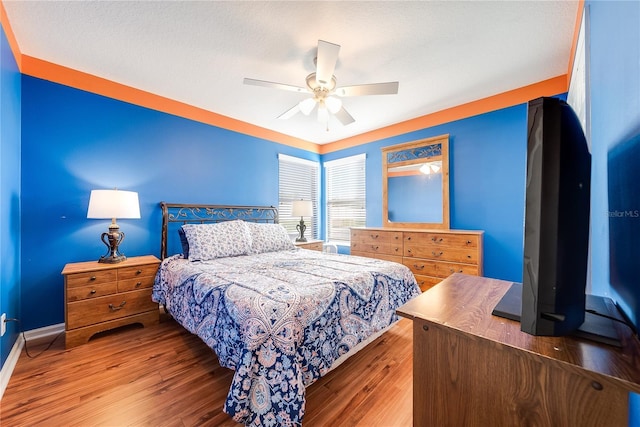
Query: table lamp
{"points": [[301, 208], [104, 204]]}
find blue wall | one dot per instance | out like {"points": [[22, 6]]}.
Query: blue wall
{"points": [[10, 104], [74, 141], [487, 172]]}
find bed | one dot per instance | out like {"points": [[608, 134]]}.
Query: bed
{"points": [[279, 316]]}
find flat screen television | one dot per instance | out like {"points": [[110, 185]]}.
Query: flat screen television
{"points": [[551, 300], [624, 222]]}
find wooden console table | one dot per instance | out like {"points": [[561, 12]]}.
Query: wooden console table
{"points": [[474, 369]]}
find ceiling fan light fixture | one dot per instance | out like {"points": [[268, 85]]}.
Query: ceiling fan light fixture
{"points": [[333, 104], [306, 106], [323, 113]]}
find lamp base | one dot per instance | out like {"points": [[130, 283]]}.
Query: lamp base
{"points": [[301, 229], [112, 259], [112, 240]]}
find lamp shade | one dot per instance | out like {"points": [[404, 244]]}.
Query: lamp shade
{"points": [[302, 208], [113, 204]]}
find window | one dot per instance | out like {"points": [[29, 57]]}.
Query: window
{"points": [[298, 179], [346, 201]]}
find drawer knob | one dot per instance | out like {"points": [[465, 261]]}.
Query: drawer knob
{"points": [[408, 238], [375, 248], [138, 284], [468, 242], [409, 251], [139, 272], [92, 278], [116, 308], [418, 267], [93, 291], [436, 254], [374, 236], [451, 270], [435, 239]]}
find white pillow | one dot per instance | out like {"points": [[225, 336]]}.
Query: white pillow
{"points": [[269, 238], [224, 239]]}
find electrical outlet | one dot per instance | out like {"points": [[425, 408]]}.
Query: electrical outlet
{"points": [[3, 324]]}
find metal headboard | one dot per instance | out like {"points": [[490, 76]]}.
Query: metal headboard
{"points": [[203, 214]]}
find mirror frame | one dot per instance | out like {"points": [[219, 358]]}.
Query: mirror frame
{"points": [[443, 140]]}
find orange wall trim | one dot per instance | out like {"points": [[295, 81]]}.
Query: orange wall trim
{"points": [[77, 79], [11, 38], [574, 43], [550, 87]]}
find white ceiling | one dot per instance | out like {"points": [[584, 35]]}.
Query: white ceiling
{"points": [[443, 53]]}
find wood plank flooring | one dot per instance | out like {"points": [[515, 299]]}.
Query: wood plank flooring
{"points": [[165, 376]]}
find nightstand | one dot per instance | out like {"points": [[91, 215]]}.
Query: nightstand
{"points": [[314, 245], [100, 296]]}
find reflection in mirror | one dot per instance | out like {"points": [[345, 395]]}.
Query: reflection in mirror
{"points": [[416, 184]]}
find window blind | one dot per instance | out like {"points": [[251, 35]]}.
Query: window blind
{"points": [[346, 197], [298, 179]]}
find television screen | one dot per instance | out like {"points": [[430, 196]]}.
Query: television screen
{"points": [[624, 223]]}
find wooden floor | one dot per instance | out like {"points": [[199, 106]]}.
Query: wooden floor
{"points": [[164, 376]]}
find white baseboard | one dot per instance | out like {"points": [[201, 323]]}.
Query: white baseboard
{"points": [[35, 335]]}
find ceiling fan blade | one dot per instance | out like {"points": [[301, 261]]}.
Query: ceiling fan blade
{"points": [[274, 85], [344, 117], [326, 62], [289, 113], [389, 88]]}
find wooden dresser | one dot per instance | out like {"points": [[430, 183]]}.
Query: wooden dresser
{"points": [[100, 296], [471, 368], [432, 255]]}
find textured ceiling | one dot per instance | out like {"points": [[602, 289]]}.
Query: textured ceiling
{"points": [[443, 53]]}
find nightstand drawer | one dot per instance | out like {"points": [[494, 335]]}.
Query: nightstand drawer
{"points": [[101, 309], [78, 293], [135, 283], [137, 271], [91, 278]]}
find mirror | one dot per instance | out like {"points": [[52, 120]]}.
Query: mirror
{"points": [[415, 184]]}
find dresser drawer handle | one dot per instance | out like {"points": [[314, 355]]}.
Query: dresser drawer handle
{"points": [[374, 236], [138, 284], [374, 248], [92, 278], [468, 242], [452, 270], [418, 267], [139, 272], [93, 291], [436, 254], [408, 238], [434, 239], [114, 308], [408, 251]]}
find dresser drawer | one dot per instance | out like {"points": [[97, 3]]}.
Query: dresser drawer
{"points": [[376, 237], [451, 240], [77, 293], [135, 283], [137, 271], [91, 278], [433, 268], [101, 309], [441, 253], [377, 248]]}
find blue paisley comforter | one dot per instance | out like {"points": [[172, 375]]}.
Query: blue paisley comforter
{"points": [[281, 319]]}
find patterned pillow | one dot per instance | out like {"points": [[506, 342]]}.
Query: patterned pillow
{"points": [[210, 241], [184, 242], [269, 238]]}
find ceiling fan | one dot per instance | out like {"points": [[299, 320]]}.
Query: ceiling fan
{"points": [[322, 85]]}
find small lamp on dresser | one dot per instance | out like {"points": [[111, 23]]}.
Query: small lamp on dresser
{"points": [[302, 208], [112, 204]]}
